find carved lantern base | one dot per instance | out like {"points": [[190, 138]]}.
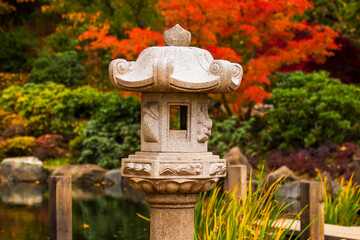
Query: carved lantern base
{"points": [[172, 183]]}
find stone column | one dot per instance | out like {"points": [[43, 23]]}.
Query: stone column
{"points": [[172, 200], [171, 216]]}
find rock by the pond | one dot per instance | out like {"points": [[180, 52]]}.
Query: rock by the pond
{"points": [[51, 170], [82, 175], [113, 186], [236, 157], [357, 169], [254, 184], [114, 191], [113, 177], [22, 193], [333, 186], [284, 172], [293, 205], [22, 169], [290, 190]]}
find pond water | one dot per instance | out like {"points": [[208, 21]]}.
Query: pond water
{"points": [[96, 214]]}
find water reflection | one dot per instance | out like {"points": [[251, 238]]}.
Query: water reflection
{"points": [[22, 193], [109, 218], [96, 215], [93, 193]]}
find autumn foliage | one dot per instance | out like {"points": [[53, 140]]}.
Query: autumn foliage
{"points": [[139, 39], [262, 35], [54, 58], [48, 146]]}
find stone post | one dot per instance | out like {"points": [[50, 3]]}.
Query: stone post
{"points": [[60, 210], [312, 201], [174, 166], [236, 178]]}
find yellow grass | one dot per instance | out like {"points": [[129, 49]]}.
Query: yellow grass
{"points": [[224, 216]]}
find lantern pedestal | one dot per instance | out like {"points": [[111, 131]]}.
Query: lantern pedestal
{"points": [[172, 182], [170, 216]]}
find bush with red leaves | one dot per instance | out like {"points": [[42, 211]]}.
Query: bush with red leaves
{"points": [[331, 157], [14, 130], [49, 146], [344, 64]]}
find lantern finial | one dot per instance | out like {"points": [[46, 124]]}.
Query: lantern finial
{"points": [[177, 36]]}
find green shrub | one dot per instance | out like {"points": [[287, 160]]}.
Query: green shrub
{"points": [[64, 68], [15, 49], [310, 109], [36, 102], [232, 132], [80, 103], [113, 133], [75, 147], [61, 41], [18, 146], [104, 151], [51, 107]]}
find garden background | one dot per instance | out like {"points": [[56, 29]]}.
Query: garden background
{"points": [[298, 104]]}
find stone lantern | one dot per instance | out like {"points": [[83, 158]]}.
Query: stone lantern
{"points": [[173, 166]]}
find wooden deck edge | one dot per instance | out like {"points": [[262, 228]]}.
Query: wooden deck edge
{"points": [[332, 232]]}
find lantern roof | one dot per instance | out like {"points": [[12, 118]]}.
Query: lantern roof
{"points": [[176, 67]]}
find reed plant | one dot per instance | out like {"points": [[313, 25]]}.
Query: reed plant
{"points": [[258, 215], [343, 208]]}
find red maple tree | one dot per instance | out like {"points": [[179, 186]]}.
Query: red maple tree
{"points": [[262, 35]]}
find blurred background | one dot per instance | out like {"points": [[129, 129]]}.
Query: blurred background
{"points": [[298, 104]]}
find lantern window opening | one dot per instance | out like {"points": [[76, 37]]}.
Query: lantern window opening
{"points": [[178, 119]]}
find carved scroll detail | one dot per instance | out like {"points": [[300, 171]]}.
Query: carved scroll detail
{"points": [[216, 67], [181, 170], [230, 73], [237, 72], [119, 66], [137, 169], [120, 71], [123, 66], [217, 169], [204, 125]]}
